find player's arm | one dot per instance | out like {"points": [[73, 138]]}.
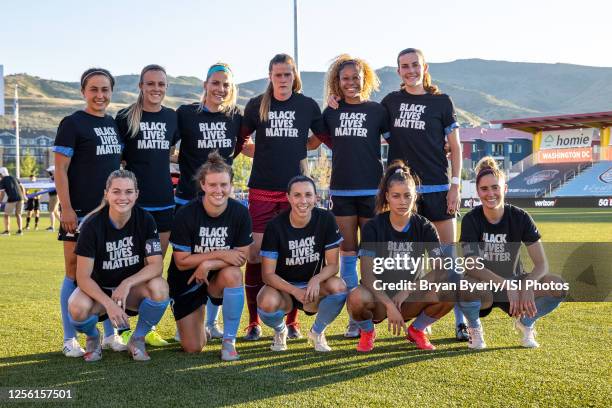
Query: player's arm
{"points": [[455, 157], [270, 278], [226, 257], [315, 140], [330, 269], [244, 143], [68, 217]]}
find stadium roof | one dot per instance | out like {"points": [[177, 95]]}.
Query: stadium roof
{"points": [[574, 121], [492, 135]]}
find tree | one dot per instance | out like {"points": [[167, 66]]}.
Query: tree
{"points": [[321, 170], [28, 165]]}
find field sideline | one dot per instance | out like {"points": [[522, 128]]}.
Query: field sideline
{"points": [[572, 368]]}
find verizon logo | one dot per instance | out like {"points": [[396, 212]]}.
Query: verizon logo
{"points": [[545, 203]]}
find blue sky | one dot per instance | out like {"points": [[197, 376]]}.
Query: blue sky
{"points": [[59, 39]]}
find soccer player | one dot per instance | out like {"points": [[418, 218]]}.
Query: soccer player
{"points": [[15, 194], [494, 232], [281, 118], [53, 201], [211, 124], [150, 132], [422, 120], [87, 149], [32, 205], [397, 231], [119, 268], [299, 266], [210, 237], [355, 129]]}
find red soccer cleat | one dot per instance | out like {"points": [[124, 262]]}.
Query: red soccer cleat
{"points": [[366, 340], [419, 338]]}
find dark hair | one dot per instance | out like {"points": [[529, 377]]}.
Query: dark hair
{"points": [[214, 164], [427, 85], [301, 179], [96, 71], [398, 171], [487, 165]]}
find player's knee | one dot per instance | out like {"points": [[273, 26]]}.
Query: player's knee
{"points": [[556, 284], [158, 289], [268, 301], [355, 299], [231, 276], [193, 346], [335, 285], [78, 309]]}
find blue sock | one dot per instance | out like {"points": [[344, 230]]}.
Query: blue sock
{"points": [[459, 318], [87, 326], [544, 306], [274, 320], [348, 271], [365, 325], [212, 311], [150, 313], [329, 308], [422, 321], [109, 329], [68, 287], [233, 303], [471, 310]]}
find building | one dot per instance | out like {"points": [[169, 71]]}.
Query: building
{"points": [[36, 143]]}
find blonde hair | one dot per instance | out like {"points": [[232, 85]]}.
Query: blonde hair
{"points": [[117, 174], [229, 104], [485, 166], [133, 114], [427, 85], [266, 100], [398, 171], [332, 78]]}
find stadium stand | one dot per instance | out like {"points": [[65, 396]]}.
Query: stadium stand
{"points": [[537, 180], [595, 181]]}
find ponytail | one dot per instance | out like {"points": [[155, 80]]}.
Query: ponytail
{"points": [[398, 171], [485, 166]]}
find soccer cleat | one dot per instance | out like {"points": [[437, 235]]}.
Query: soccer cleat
{"points": [[137, 349], [19, 232], [214, 331], [228, 351], [93, 349], [27, 228], [352, 330], [51, 229], [153, 338], [461, 332], [366, 340], [294, 331], [126, 336], [253, 332], [528, 333], [318, 341], [6, 233], [476, 338], [279, 342], [114, 342], [72, 348], [419, 338]]}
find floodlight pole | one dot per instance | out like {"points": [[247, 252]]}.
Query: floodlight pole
{"points": [[295, 34]]}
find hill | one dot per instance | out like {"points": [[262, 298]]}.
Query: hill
{"points": [[482, 91]]}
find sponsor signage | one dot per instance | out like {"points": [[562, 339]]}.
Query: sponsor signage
{"points": [[553, 202], [561, 139], [576, 154]]}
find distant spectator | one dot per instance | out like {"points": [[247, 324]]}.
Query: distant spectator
{"points": [[53, 201], [32, 205], [15, 193]]}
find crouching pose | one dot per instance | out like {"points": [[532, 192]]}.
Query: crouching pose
{"points": [[210, 238], [397, 232], [119, 269], [494, 232], [299, 266]]}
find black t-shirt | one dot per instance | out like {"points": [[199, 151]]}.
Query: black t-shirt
{"points": [[355, 132], [196, 232], [380, 240], [280, 142], [11, 187], [118, 253], [94, 145], [201, 133], [148, 155], [499, 244], [418, 125], [300, 252]]}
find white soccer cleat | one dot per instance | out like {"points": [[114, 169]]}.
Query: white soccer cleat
{"points": [[214, 332], [528, 340], [319, 341], [114, 342], [72, 348], [279, 342], [476, 338], [352, 329]]}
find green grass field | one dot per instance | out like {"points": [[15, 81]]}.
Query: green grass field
{"points": [[572, 368]]}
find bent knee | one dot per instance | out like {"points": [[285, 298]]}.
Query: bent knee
{"points": [[358, 297], [268, 300], [335, 285], [231, 276], [158, 289], [193, 347]]}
